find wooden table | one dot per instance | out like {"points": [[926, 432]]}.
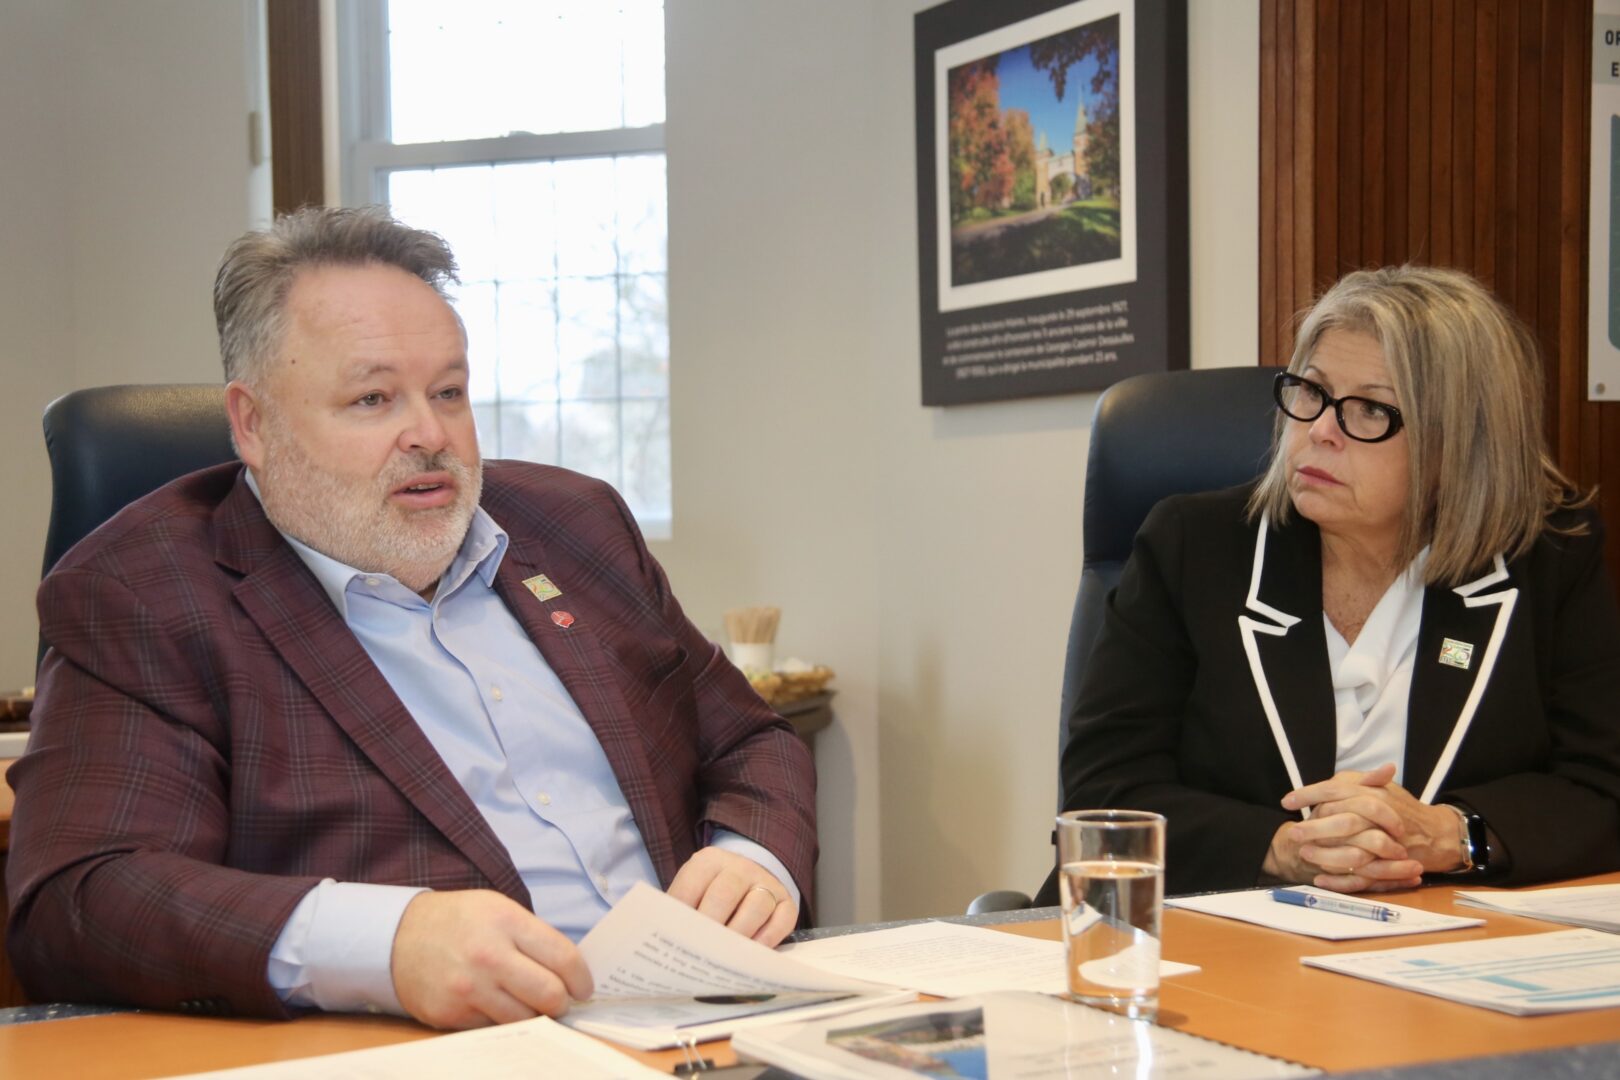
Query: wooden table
{"points": [[1252, 992]]}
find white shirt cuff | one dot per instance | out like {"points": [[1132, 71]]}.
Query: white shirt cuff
{"points": [[335, 952]]}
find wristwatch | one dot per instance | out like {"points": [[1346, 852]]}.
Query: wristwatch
{"points": [[1473, 843]]}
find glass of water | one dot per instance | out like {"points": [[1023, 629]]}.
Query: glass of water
{"points": [[1111, 874]]}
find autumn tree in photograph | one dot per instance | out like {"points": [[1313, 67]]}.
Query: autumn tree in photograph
{"points": [[981, 168], [1020, 136]]}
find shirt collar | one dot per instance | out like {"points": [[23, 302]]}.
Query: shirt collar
{"points": [[481, 552]]}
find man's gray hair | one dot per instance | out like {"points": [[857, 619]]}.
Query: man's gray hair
{"points": [[250, 290]]}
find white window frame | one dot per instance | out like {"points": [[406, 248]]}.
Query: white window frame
{"points": [[363, 67], [363, 116]]}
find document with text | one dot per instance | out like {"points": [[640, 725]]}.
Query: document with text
{"points": [[666, 975], [508, 1052], [948, 959], [1596, 907], [1524, 976], [1028, 1036]]}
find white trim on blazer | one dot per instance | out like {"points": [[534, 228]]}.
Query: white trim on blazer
{"points": [[1280, 623]]}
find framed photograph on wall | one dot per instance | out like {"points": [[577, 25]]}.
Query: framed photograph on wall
{"points": [[1051, 195]]}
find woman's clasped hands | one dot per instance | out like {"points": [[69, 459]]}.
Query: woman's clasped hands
{"points": [[1363, 833]]}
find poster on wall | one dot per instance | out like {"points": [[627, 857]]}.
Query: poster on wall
{"points": [[1603, 193], [1051, 195]]}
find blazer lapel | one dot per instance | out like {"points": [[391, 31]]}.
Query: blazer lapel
{"points": [[282, 597], [1457, 647], [562, 628], [1281, 628]]}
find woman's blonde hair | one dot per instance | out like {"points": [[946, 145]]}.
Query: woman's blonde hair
{"points": [[1467, 380]]}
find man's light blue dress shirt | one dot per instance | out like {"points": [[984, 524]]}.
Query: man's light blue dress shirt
{"points": [[511, 734]]}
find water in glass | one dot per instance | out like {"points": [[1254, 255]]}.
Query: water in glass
{"points": [[1111, 913]]}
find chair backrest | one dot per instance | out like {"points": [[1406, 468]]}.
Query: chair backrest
{"points": [[1154, 436], [112, 444]]}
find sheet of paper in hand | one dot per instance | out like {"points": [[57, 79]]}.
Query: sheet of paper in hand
{"points": [[666, 975]]}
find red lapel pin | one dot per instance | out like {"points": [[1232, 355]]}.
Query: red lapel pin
{"points": [[562, 619]]}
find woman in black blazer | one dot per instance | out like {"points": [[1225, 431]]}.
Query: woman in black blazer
{"points": [[1396, 654]]}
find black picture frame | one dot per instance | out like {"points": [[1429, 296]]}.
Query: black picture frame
{"points": [[1056, 269]]}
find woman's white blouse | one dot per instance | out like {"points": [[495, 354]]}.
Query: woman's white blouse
{"points": [[1372, 678]]}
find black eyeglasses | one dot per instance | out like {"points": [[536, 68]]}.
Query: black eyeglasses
{"points": [[1363, 419]]}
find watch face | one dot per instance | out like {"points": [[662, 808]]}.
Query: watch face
{"points": [[1479, 847]]}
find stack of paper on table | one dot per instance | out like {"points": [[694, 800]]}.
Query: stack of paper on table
{"points": [[949, 960], [1525, 976], [1029, 1036], [666, 975], [510, 1052], [1256, 906], [1594, 906]]}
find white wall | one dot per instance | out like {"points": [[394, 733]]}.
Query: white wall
{"points": [[161, 182], [773, 373], [125, 172], [929, 555], [36, 303]]}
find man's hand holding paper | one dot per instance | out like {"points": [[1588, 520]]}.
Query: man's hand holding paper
{"points": [[473, 957], [738, 893]]}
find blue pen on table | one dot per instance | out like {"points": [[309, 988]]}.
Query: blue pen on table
{"points": [[1336, 904]]}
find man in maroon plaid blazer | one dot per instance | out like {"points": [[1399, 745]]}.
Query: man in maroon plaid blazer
{"points": [[222, 744]]}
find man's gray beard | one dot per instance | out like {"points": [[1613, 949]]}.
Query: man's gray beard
{"points": [[355, 523]]}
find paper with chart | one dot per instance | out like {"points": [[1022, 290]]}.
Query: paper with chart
{"points": [[1525, 976], [1256, 906], [948, 959], [665, 974], [1596, 907]]}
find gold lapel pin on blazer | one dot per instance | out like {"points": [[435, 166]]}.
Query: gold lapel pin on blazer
{"points": [[1457, 654], [542, 587]]}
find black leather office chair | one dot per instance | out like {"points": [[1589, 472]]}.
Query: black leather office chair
{"points": [[112, 444], [1152, 436]]}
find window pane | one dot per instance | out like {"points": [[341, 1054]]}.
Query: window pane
{"points": [[529, 433], [489, 430], [476, 304], [525, 221], [457, 203], [585, 240], [590, 438], [528, 336], [587, 356], [643, 232], [646, 459], [644, 336], [643, 62], [481, 68]]}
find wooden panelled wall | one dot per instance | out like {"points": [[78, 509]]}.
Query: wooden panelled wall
{"points": [[1448, 132], [293, 42]]}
